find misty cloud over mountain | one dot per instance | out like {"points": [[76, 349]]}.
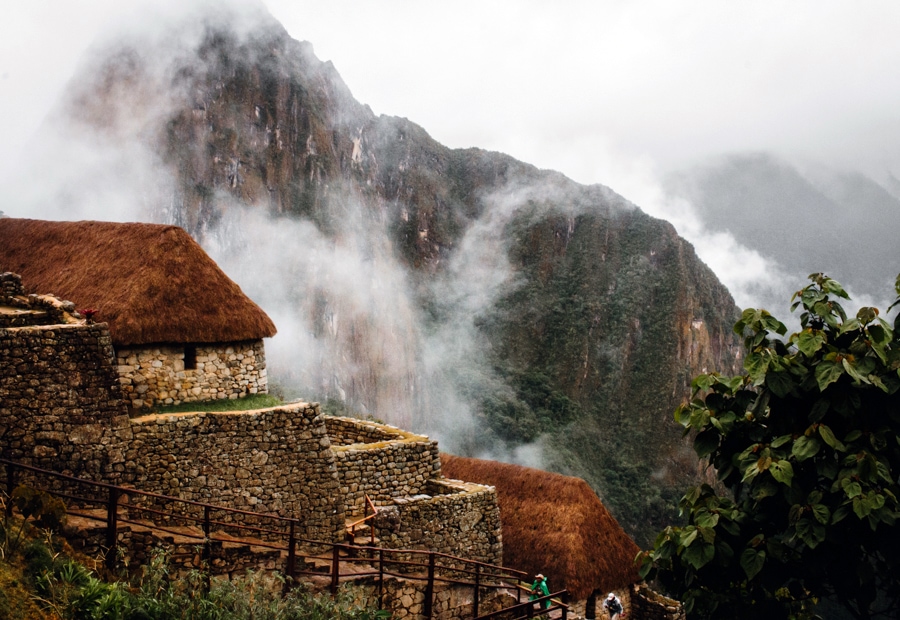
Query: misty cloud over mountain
{"points": [[507, 310], [804, 218]]}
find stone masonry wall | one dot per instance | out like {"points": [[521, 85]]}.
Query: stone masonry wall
{"points": [[275, 461], [10, 285], [348, 431], [647, 604], [405, 600], [20, 310], [58, 392], [400, 464], [157, 374], [455, 517]]}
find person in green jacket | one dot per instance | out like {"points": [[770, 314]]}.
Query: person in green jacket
{"points": [[539, 589]]}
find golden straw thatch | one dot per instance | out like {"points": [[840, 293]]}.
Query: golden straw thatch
{"points": [[151, 283], [555, 525]]}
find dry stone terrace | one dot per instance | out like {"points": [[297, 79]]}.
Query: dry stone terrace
{"points": [[62, 409]]}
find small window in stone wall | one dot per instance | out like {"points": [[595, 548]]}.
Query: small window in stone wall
{"points": [[190, 357]]}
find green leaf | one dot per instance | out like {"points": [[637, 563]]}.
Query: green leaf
{"points": [[706, 519], [782, 471], [756, 365], [781, 383], [821, 513], [706, 442], [780, 441], [861, 507], [851, 488], [750, 473], [849, 326], [752, 561], [835, 288], [810, 340], [827, 372], [866, 315], [880, 334], [840, 514], [804, 447], [699, 555], [702, 383], [855, 370], [691, 536], [828, 437]]}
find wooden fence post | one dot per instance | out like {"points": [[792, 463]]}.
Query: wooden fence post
{"points": [[207, 548], [380, 578], [10, 485], [112, 526], [429, 587], [477, 587], [292, 552], [335, 569]]}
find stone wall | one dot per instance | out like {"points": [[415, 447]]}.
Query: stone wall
{"points": [[58, 394], [10, 285], [646, 604], [349, 431], [20, 310], [392, 463], [157, 374], [62, 409], [406, 599], [275, 461], [454, 517]]}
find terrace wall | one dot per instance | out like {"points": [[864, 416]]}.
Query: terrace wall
{"points": [[455, 517], [391, 463], [650, 605], [345, 431], [58, 394], [275, 461], [157, 374]]}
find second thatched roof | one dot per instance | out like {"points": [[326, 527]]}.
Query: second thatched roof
{"points": [[151, 283], [554, 525]]}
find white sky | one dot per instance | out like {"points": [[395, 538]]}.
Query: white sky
{"points": [[601, 90]]}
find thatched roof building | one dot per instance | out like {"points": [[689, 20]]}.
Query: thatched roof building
{"points": [[151, 283], [555, 525]]}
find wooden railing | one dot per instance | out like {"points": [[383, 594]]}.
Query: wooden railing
{"points": [[533, 608], [267, 531], [351, 528]]}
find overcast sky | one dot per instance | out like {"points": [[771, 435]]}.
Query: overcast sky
{"points": [[611, 92], [593, 88]]}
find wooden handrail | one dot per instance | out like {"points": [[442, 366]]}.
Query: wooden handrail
{"points": [[486, 575], [500, 574], [527, 610], [133, 491]]}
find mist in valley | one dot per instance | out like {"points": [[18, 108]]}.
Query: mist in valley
{"points": [[362, 331]]}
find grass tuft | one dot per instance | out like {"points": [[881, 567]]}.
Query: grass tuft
{"points": [[252, 401]]}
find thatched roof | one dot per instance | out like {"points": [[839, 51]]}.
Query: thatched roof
{"points": [[555, 525], [151, 283]]}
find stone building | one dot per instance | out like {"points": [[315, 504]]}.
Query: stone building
{"points": [[61, 409], [181, 329]]}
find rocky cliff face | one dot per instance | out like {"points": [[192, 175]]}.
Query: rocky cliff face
{"points": [[457, 292]]}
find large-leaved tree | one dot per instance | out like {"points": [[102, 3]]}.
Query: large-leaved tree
{"points": [[806, 448]]}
